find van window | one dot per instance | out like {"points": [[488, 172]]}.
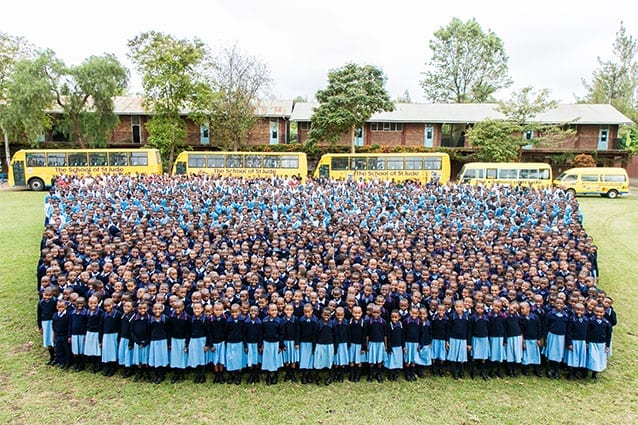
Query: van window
{"points": [[589, 178], [614, 178], [529, 173], [569, 178], [491, 173], [508, 173]]}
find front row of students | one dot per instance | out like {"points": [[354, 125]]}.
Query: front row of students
{"points": [[322, 350]]}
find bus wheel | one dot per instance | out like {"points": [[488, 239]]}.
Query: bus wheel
{"points": [[612, 194], [36, 184], [571, 192]]}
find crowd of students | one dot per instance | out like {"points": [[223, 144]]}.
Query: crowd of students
{"points": [[318, 280]]}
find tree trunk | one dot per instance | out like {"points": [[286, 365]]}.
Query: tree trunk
{"points": [[7, 151], [352, 145], [77, 132]]}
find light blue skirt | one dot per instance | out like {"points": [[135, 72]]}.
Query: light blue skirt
{"points": [[253, 358], [411, 352], [376, 352], [235, 356], [458, 350], [425, 356], [531, 353], [109, 347], [124, 354], [92, 344], [306, 358], [355, 356], [47, 333], [394, 359], [290, 354], [140, 355], [577, 356], [158, 353], [555, 347], [77, 344], [342, 357], [480, 348], [196, 354], [218, 355], [178, 357], [514, 349], [324, 354], [596, 357], [497, 349], [438, 349], [271, 359]]}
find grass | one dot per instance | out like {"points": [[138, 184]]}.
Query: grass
{"points": [[33, 393]]}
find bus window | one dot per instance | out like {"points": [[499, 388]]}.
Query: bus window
{"points": [[234, 161], [118, 159], [97, 159], [196, 161], [508, 174], [357, 163], [253, 161], [490, 173], [432, 163], [35, 160], [528, 173], [376, 163], [339, 163], [289, 161], [272, 161], [139, 158], [77, 159], [395, 163], [589, 178], [215, 161], [56, 160], [413, 164], [614, 178], [544, 174]]}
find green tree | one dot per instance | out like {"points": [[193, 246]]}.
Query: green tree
{"points": [[467, 66], [353, 94], [172, 79], [85, 93], [496, 140], [404, 98]]}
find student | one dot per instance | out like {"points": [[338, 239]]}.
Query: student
{"points": [[78, 320], [273, 344], [235, 355], [598, 342], [479, 327], [576, 342], [92, 345], [342, 334], [109, 333], [325, 346], [253, 343], [395, 344], [460, 340], [556, 328], [290, 330], [307, 331], [47, 307], [424, 358], [217, 325], [159, 343], [179, 329], [376, 342], [610, 315], [124, 351], [197, 342], [440, 336], [357, 343], [61, 327], [513, 340], [532, 333], [496, 332], [140, 325], [412, 333]]}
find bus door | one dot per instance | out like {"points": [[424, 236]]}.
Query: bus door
{"points": [[18, 173], [324, 171], [180, 167]]}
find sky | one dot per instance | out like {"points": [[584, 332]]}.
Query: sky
{"points": [[550, 44]]}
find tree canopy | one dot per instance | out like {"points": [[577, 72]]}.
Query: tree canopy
{"points": [[467, 66], [353, 94]]}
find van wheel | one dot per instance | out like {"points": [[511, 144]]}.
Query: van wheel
{"points": [[612, 194], [36, 184], [571, 192]]}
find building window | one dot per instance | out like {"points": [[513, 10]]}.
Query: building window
{"points": [[136, 129], [528, 134], [304, 125], [386, 126]]}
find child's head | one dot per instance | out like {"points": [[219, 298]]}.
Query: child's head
{"points": [[440, 310], [93, 303], [273, 311], [497, 305], [289, 310], [307, 310], [325, 314], [357, 312], [395, 316], [178, 306], [525, 308], [235, 311], [599, 311], [107, 305], [127, 307], [459, 308], [198, 309], [79, 303], [376, 311], [512, 308], [142, 308], [579, 309], [253, 312], [47, 294], [340, 313], [158, 310], [414, 312], [423, 314], [60, 306], [479, 308], [218, 309]]}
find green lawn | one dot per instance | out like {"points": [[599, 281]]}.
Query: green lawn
{"points": [[33, 393]]}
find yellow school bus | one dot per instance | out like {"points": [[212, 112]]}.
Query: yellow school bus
{"points": [[537, 175], [36, 168], [242, 164], [420, 167], [603, 181]]}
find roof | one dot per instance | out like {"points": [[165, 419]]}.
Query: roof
{"points": [[461, 113]]}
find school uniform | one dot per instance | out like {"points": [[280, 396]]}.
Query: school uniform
{"points": [[92, 338], [556, 328], [78, 331], [425, 343], [124, 350], [599, 333], [439, 337], [376, 337], [412, 335], [496, 332], [46, 311], [325, 345], [342, 334], [610, 315], [158, 346], [459, 337], [253, 340], [235, 354], [396, 341], [576, 337], [61, 327], [217, 330], [306, 342], [179, 328], [290, 331], [273, 344], [196, 341], [140, 338], [109, 332], [532, 331], [514, 339], [479, 328], [357, 331]]}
